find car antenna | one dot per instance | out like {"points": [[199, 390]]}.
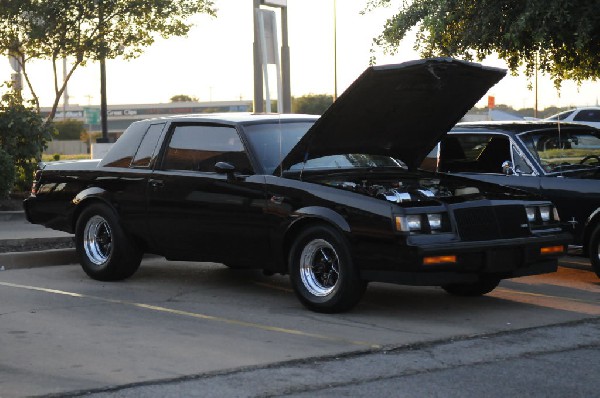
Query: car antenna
{"points": [[280, 148], [303, 164]]}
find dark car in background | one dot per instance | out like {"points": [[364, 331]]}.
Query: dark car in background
{"points": [[335, 201], [560, 161]]}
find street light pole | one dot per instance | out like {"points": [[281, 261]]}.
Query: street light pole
{"points": [[535, 107], [335, 85]]}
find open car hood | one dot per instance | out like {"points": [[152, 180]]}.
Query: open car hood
{"points": [[399, 110]]}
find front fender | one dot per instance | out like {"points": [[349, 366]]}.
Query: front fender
{"points": [[283, 239], [325, 214]]}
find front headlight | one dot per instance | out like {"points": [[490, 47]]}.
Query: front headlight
{"points": [[545, 213], [542, 215], [435, 221], [422, 223], [414, 222], [530, 214]]}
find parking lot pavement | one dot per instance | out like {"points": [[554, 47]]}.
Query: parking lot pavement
{"points": [[61, 331], [490, 366]]}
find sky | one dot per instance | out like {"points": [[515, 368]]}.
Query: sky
{"points": [[214, 62]]}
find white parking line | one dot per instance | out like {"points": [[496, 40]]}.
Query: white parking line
{"points": [[198, 316]]}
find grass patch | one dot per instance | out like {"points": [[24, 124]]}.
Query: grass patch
{"points": [[58, 156]]}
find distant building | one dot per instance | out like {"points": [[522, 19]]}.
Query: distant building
{"points": [[121, 116], [493, 114]]}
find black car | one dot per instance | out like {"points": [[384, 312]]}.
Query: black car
{"points": [[560, 161], [335, 201]]}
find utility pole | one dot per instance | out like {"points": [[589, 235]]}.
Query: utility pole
{"points": [[258, 79], [103, 106]]}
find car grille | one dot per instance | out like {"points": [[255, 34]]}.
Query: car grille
{"points": [[492, 222]]}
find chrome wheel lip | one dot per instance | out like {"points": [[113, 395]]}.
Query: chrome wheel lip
{"points": [[97, 240], [319, 267]]}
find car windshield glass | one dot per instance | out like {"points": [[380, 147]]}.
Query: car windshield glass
{"points": [[564, 150], [271, 142], [353, 160], [561, 116]]}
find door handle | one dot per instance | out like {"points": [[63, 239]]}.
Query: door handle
{"points": [[276, 199], [155, 184]]}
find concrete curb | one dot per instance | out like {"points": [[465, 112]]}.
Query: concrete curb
{"points": [[12, 215], [36, 244], [34, 259]]}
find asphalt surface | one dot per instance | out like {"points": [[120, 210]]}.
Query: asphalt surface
{"points": [[495, 351], [538, 362]]}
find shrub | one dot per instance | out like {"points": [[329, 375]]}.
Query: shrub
{"points": [[23, 136], [7, 174]]}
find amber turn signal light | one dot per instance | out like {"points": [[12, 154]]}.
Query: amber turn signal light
{"points": [[438, 260], [552, 249]]}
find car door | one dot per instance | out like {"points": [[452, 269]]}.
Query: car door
{"points": [[197, 213]]}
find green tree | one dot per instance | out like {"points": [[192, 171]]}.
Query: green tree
{"points": [[69, 129], [561, 37], [23, 136], [183, 98], [312, 104], [88, 30]]}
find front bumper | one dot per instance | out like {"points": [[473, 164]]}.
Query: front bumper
{"points": [[504, 259]]}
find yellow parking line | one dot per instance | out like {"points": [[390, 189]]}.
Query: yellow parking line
{"points": [[586, 263], [544, 300], [274, 287], [198, 316]]}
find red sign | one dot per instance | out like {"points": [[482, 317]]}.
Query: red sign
{"points": [[491, 101]]}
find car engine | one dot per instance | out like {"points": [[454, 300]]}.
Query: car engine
{"points": [[403, 191]]}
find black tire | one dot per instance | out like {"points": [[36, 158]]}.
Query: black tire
{"points": [[105, 252], [594, 250], [479, 288], [322, 272]]}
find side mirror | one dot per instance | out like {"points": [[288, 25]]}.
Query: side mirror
{"points": [[225, 168], [508, 169]]}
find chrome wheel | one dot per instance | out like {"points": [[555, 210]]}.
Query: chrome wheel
{"points": [[322, 270], [97, 240], [319, 267]]}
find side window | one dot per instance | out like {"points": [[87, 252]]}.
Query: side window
{"points": [[482, 153], [200, 147], [590, 115], [144, 154], [430, 161], [121, 153], [520, 163], [496, 151]]}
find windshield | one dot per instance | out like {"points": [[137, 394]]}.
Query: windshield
{"points": [[564, 150], [561, 116], [352, 160], [273, 141]]}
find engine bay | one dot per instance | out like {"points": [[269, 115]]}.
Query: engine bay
{"points": [[400, 191]]}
